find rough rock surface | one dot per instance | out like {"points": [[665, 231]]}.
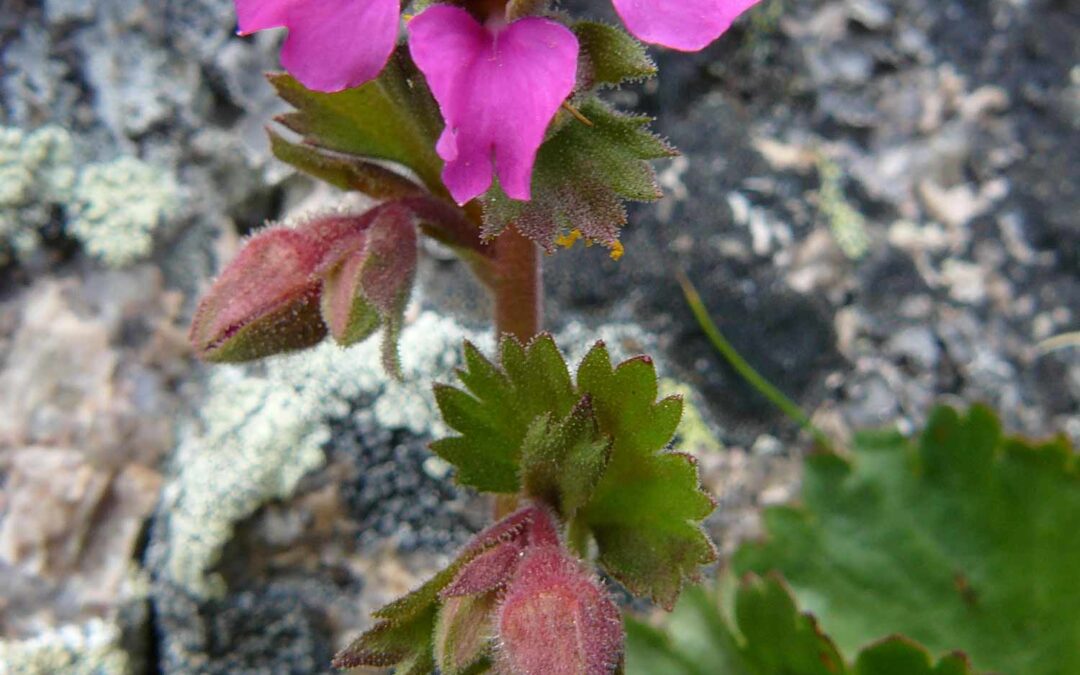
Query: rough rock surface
{"points": [[875, 199]]}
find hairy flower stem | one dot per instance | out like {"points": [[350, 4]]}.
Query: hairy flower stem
{"points": [[518, 286]]}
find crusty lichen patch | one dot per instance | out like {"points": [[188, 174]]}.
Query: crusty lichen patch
{"points": [[92, 648], [37, 172], [260, 432], [117, 206], [112, 208]]}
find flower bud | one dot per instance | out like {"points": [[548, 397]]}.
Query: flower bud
{"points": [[265, 302], [555, 619], [367, 280]]}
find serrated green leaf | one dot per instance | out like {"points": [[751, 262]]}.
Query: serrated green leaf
{"points": [[900, 656], [694, 640], [602, 466], [495, 414], [609, 56], [645, 513], [767, 635], [392, 118], [962, 541], [778, 638], [562, 460], [343, 171], [581, 177]]}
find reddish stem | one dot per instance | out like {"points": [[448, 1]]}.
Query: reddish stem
{"points": [[518, 285]]}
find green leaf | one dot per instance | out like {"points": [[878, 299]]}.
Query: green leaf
{"points": [[900, 656], [391, 118], [595, 451], [964, 540], [343, 171], [609, 56], [581, 177], [766, 635], [496, 412], [563, 461], [645, 513], [404, 633], [694, 640], [767, 618]]}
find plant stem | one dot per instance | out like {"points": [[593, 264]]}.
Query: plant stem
{"points": [[518, 285], [753, 377]]}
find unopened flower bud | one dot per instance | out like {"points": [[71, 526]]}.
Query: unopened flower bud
{"points": [[265, 302], [556, 619], [367, 280]]}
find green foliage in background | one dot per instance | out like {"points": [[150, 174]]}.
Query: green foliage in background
{"points": [[964, 540]]}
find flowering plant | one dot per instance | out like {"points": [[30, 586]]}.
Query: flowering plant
{"points": [[485, 131]]}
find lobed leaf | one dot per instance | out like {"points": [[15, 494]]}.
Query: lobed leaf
{"points": [[391, 118], [646, 510], [962, 540], [593, 451], [494, 415], [764, 635]]}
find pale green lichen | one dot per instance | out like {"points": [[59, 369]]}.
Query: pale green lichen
{"points": [[37, 173], [117, 206], [693, 434], [92, 648], [263, 428], [847, 224], [260, 432], [112, 208]]}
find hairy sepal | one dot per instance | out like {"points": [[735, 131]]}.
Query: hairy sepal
{"points": [[367, 281], [609, 56], [582, 176], [449, 620]]}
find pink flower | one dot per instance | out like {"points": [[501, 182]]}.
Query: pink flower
{"points": [[687, 25], [498, 85], [332, 44]]}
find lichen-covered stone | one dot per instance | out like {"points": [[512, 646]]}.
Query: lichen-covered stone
{"points": [[92, 648], [37, 172], [117, 206], [258, 434]]}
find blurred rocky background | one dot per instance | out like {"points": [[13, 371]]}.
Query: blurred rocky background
{"points": [[878, 200]]}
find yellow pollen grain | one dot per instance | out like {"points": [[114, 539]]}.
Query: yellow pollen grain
{"points": [[617, 250], [569, 239]]}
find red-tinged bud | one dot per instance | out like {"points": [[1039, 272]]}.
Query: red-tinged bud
{"points": [[367, 279], [265, 302], [463, 632], [531, 525], [556, 619], [542, 530], [487, 571]]}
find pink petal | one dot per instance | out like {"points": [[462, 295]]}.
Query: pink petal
{"points": [[687, 25], [332, 44], [498, 90]]}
